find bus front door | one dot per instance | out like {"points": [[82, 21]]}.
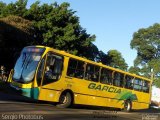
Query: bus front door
{"points": [[50, 69]]}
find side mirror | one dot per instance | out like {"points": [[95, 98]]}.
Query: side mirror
{"points": [[10, 75]]}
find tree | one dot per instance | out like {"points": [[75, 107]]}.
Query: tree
{"points": [[115, 59], [53, 25], [58, 27], [102, 57], [134, 70], [2, 6], [18, 8], [15, 33], [147, 43]]}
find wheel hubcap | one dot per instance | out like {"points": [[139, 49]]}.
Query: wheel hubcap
{"points": [[127, 106], [63, 99]]}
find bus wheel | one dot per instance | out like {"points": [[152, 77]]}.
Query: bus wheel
{"points": [[65, 100], [127, 106]]}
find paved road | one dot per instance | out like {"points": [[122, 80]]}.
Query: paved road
{"points": [[15, 108]]}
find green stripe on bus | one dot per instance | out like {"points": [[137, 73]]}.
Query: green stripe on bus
{"points": [[30, 92]]}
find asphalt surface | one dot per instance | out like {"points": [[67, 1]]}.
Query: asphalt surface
{"points": [[17, 108]]}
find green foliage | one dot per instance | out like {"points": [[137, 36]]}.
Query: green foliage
{"points": [[18, 8], [116, 60], [147, 43], [52, 25], [113, 58], [58, 27], [156, 82], [102, 57], [2, 6], [15, 33], [134, 70]]}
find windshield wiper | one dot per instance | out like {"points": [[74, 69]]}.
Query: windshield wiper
{"points": [[28, 61]]}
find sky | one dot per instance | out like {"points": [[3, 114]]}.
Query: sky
{"points": [[113, 21]]}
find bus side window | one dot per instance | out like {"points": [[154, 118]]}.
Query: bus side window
{"points": [[53, 70], [118, 79], [146, 87], [129, 82], [76, 68], [137, 84], [106, 76], [72, 67], [92, 72]]}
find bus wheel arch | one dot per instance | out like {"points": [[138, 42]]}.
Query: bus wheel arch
{"points": [[127, 105], [66, 99]]}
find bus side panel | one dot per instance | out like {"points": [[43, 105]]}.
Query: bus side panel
{"points": [[83, 95], [142, 102], [85, 99], [51, 92], [137, 106], [49, 95], [109, 96]]}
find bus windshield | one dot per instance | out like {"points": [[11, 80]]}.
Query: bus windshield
{"points": [[26, 64]]}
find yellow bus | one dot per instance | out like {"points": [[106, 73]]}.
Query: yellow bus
{"points": [[47, 74]]}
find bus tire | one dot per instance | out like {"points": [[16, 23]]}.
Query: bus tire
{"points": [[65, 100], [127, 106]]}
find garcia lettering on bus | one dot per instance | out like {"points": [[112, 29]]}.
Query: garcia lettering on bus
{"points": [[104, 88]]}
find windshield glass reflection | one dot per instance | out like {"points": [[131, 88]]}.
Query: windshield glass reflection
{"points": [[26, 64]]}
